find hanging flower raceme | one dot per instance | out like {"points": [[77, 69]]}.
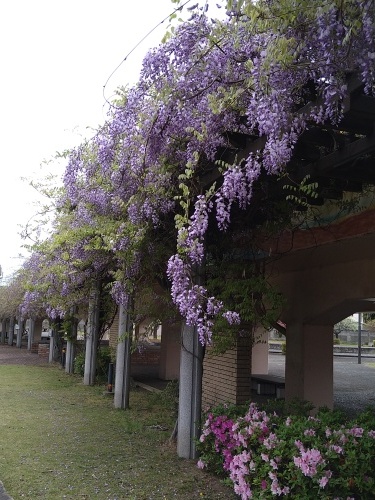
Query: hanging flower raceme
{"points": [[266, 75]]}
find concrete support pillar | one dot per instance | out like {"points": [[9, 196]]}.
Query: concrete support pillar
{"points": [[190, 398], [19, 330], [71, 347], [122, 375], [69, 357], [3, 330], [52, 346], [309, 364], [11, 331], [169, 367], [92, 336], [30, 338], [259, 356]]}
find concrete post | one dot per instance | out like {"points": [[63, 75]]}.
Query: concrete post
{"points": [[190, 394], [309, 364], [52, 343], [30, 338], [259, 355], [122, 376], [19, 332], [3, 330], [70, 347], [11, 331], [92, 336]]}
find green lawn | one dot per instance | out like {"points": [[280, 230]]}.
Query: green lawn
{"points": [[60, 439]]}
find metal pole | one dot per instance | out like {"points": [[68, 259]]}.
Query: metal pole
{"points": [[110, 378], [359, 338], [368, 338]]}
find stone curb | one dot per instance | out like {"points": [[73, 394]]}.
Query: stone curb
{"points": [[3, 494]]}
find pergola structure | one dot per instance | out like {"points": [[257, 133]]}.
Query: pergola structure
{"points": [[338, 157], [325, 269], [325, 273]]}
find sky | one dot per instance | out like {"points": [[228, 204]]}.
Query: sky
{"points": [[56, 56]]}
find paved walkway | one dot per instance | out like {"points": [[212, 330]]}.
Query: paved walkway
{"points": [[3, 493], [353, 386], [12, 355]]}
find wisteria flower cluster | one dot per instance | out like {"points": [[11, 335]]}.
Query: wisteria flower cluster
{"points": [[147, 164], [266, 454]]}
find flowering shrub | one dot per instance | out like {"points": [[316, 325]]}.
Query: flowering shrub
{"points": [[265, 454]]}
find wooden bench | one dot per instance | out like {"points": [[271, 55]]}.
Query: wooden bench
{"points": [[268, 384]]}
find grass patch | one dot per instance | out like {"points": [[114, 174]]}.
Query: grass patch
{"points": [[61, 439]]}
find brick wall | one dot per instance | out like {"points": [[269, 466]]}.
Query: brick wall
{"points": [[34, 347], [226, 377], [146, 362], [43, 351], [349, 227], [147, 356]]}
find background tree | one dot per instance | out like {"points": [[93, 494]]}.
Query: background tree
{"points": [[347, 324]]}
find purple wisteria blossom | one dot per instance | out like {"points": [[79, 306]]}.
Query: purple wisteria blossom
{"points": [[148, 162]]}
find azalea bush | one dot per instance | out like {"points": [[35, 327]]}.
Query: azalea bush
{"points": [[267, 454]]}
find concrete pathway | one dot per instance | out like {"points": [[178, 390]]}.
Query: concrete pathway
{"points": [[3, 493], [12, 355]]}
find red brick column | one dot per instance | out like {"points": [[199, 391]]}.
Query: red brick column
{"points": [[43, 351], [226, 377]]}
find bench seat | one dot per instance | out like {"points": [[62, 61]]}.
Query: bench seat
{"points": [[268, 384]]}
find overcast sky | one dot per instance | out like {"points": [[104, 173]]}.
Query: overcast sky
{"points": [[55, 59]]}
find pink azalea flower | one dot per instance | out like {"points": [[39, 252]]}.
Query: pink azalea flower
{"points": [[273, 464], [323, 481], [201, 464], [356, 431], [309, 432]]}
